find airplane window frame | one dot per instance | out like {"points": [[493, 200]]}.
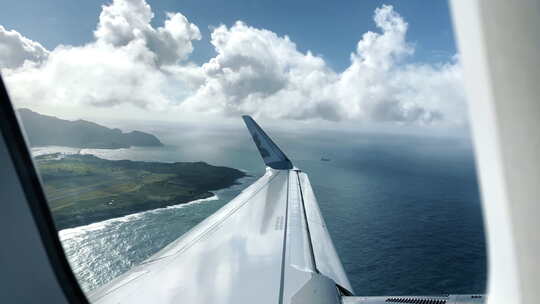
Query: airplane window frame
{"points": [[17, 147]]}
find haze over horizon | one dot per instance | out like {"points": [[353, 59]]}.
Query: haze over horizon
{"points": [[136, 69]]}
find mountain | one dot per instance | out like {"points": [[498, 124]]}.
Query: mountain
{"points": [[44, 130]]}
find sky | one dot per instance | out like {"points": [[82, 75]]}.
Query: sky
{"points": [[350, 62], [306, 22]]}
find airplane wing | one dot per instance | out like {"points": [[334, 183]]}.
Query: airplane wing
{"points": [[268, 245]]}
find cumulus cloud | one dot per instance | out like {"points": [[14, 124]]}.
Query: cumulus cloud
{"points": [[16, 49], [127, 21], [254, 71], [376, 86], [94, 75], [126, 64]]}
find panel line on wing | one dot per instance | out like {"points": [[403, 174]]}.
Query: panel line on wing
{"points": [[282, 283]]}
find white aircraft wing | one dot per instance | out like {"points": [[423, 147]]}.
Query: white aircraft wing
{"points": [[267, 245]]}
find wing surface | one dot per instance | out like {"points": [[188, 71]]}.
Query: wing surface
{"points": [[232, 256]]}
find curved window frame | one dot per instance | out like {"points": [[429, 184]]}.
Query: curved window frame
{"points": [[36, 203]]}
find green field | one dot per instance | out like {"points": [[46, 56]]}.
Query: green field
{"points": [[83, 189]]}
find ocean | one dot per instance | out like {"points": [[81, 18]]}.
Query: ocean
{"points": [[403, 210]]}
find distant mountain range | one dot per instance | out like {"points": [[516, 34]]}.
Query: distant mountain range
{"points": [[44, 130]]}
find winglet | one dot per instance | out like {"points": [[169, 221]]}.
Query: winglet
{"points": [[271, 154]]}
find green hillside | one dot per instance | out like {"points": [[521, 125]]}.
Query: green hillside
{"points": [[82, 189]]}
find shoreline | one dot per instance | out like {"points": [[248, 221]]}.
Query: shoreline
{"points": [[82, 189], [97, 225], [215, 196], [97, 217]]}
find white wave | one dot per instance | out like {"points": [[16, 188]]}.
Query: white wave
{"points": [[37, 151], [198, 201], [71, 232]]}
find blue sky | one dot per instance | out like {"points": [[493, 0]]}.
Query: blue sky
{"points": [[327, 28], [369, 62]]}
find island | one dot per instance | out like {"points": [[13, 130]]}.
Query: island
{"points": [[44, 130], [83, 189]]}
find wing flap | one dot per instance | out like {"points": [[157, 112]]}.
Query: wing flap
{"points": [[327, 261]]}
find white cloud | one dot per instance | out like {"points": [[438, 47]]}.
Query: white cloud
{"points": [[97, 75], [16, 49], [123, 21], [125, 65], [127, 21], [378, 87], [254, 71]]}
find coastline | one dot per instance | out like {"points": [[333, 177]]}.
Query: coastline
{"points": [[90, 218], [65, 232], [82, 189]]}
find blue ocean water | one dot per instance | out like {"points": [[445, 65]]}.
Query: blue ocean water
{"points": [[403, 210]]}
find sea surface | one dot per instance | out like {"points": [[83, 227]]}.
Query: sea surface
{"points": [[403, 210]]}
